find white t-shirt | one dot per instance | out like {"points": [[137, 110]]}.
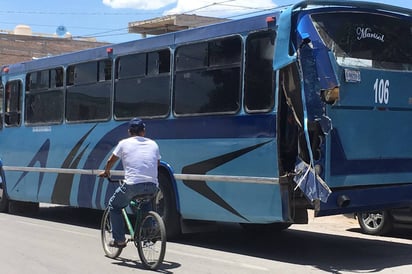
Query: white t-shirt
{"points": [[139, 156]]}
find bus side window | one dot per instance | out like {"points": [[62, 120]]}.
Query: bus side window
{"points": [[208, 77], [259, 74], [44, 97], [142, 86], [13, 103], [88, 91]]}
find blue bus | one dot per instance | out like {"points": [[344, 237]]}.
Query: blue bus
{"points": [[258, 119]]}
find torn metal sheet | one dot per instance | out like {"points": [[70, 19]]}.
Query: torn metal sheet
{"points": [[311, 184]]}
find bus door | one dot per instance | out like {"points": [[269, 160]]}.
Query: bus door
{"points": [[369, 146], [301, 121]]}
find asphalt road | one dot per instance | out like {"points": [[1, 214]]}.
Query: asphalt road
{"points": [[66, 240]]}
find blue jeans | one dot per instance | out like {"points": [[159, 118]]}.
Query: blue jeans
{"points": [[120, 199]]}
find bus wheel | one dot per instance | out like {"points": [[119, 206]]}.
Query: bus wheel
{"points": [[166, 206], [4, 199]]}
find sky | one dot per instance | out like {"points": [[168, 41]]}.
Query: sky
{"points": [[107, 20]]}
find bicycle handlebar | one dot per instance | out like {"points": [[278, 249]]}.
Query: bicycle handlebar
{"points": [[113, 180]]}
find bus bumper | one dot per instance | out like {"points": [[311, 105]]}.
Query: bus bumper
{"points": [[366, 199]]}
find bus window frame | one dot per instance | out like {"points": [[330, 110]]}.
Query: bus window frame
{"points": [[7, 104], [254, 35], [54, 85], [206, 67], [70, 83], [143, 76]]}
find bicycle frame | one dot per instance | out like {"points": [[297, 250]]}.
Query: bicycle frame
{"points": [[138, 215], [128, 223]]}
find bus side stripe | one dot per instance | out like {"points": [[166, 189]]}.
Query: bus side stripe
{"points": [[203, 167]]}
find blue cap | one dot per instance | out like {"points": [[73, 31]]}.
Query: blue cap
{"points": [[137, 124]]}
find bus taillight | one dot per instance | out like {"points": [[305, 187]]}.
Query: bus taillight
{"points": [[271, 21]]}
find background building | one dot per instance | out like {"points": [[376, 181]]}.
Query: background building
{"points": [[22, 44]]}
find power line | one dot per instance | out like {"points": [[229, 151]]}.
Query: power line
{"points": [[41, 25], [254, 12], [76, 13], [207, 6], [222, 3], [245, 7], [110, 32], [104, 33]]}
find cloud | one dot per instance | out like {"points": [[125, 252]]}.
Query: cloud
{"points": [[216, 8], [138, 4]]}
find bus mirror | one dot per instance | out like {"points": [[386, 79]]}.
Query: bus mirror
{"points": [[330, 96]]}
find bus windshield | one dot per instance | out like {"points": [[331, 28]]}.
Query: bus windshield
{"points": [[367, 40]]}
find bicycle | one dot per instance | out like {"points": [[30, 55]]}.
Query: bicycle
{"points": [[148, 233]]}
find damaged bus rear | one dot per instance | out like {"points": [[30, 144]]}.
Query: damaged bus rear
{"points": [[345, 105]]}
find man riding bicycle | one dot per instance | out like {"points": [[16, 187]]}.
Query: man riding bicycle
{"points": [[140, 158]]}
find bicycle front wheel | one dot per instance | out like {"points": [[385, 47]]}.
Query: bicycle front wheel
{"points": [[151, 240], [106, 236]]}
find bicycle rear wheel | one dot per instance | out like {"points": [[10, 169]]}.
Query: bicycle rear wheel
{"points": [[151, 240], [106, 236]]}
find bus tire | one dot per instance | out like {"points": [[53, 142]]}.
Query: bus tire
{"points": [[166, 206], [4, 200]]}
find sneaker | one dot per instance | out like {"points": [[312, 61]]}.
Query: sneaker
{"points": [[113, 243]]}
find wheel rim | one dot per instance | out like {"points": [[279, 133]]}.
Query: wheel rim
{"points": [[372, 220]]}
